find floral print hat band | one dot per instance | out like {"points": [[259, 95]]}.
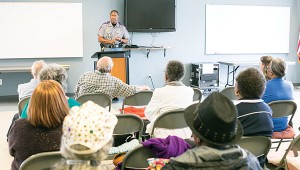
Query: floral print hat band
{"points": [[89, 125]]}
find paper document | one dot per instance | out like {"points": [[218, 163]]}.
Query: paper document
{"points": [[207, 68]]}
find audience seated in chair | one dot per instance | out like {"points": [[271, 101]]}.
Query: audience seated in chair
{"points": [[53, 72], [279, 89], [87, 137], [26, 89], [215, 129], [102, 81], [254, 114], [173, 95], [42, 130]]}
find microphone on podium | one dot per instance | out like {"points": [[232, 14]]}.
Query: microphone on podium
{"points": [[150, 77]]}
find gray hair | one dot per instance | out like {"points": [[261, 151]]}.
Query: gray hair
{"points": [[36, 67], [105, 64], [90, 158], [278, 67], [175, 70], [55, 72]]}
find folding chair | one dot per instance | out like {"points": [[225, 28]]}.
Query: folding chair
{"points": [[137, 158], [128, 124], [99, 98], [197, 94], [170, 120], [282, 108], [44, 160], [229, 92], [22, 104], [259, 146], [141, 98], [295, 148]]}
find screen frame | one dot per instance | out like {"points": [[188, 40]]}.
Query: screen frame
{"points": [[165, 29]]}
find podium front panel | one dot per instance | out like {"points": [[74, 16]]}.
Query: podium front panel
{"points": [[119, 69]]}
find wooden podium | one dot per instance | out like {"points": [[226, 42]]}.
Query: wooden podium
{"points": [[121, 62]]}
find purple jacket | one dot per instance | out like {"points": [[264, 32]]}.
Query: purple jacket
{"points": [[171, 146]]}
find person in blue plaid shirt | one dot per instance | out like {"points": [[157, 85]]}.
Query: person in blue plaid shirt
{"points": [[102, 81]]}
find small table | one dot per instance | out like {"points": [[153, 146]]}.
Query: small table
{"points": [[236, 64]]}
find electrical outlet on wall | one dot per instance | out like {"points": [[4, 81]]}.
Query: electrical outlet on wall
{"points": [[0, 82]]}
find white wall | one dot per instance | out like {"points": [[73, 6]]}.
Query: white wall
{"points": [[188, 44]]}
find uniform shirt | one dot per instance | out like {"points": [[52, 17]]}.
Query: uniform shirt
{"points": [[27, 89], [255, 117], [109, 32], [94, 82], [279, 89]]}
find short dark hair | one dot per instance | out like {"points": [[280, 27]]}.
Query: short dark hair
{"points": [[251, 83], [175, 70], [114, 11]]}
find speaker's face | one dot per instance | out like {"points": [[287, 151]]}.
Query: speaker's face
{"points": [[114, 17]]}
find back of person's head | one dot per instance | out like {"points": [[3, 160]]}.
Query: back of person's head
{"points": [[278, 67], [265, 62], [87, 136], [48, 105], [105, 64], [36, 67], [214, 121], [250, 84], [55, 72], [175, 71]]}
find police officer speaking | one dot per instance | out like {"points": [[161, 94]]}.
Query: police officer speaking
{"points": [[112, 33]]}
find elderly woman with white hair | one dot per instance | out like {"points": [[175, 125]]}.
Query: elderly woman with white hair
{"points": [[174, 95], [55, 72]]}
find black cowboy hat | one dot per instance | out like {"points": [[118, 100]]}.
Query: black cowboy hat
{"points": [[214, 120]]}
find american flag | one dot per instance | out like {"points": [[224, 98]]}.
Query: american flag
{"points": [[298, 49]]}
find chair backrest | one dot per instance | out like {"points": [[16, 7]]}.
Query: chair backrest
{"points": [[141, 98], [42, 160], [197, 94], [99, 98], [257, 145], [137, 158], [22, 103], [229, 92], [173, 119], [128, 123], [283, 108]]}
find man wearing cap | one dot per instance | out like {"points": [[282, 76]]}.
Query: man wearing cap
{"points": [[215, 129]]}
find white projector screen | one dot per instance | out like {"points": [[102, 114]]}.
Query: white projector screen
{"points": [[242, 29], [40, 30]]}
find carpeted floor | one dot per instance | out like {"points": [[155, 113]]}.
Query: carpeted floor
{"points": [[5, 119]]}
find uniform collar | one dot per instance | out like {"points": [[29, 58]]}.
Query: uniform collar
{"points": [[110, 24]]}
